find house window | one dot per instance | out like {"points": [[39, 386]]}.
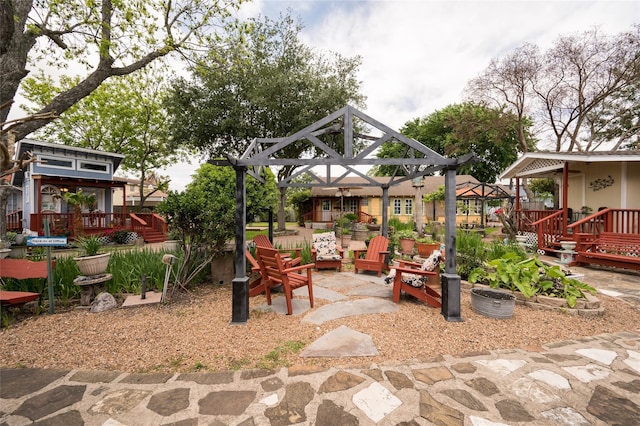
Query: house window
{"points": [[56, 162], [364, 202], [49, 199], [94, 167], [408, 206], [464, 206], [397, 207], [351, 205]]}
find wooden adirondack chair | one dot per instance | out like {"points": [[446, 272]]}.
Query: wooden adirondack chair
{"points": [[274, 272], [412, 279], [258, 285], [375, 255], [291, 257]]}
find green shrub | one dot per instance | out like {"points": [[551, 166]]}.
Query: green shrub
{"points": [[471, 252]]}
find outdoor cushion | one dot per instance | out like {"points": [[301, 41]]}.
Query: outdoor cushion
{"points": [[326, 246], [415, 280]]}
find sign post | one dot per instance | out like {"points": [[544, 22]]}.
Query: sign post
{"points": [[48, 242]]}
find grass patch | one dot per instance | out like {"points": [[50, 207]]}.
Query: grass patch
{"points": [[278, 356]]}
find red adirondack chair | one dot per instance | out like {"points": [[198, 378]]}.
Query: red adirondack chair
{"points": [[412, 279], [291, 257], [274, 272], [374, 256]]}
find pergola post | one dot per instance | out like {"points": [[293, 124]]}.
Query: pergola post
{"points": [[450, 280], [240, 284], [385, 210]]}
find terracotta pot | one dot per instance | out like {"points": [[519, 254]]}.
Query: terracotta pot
{"points": [[407, 245], [425, 249]]}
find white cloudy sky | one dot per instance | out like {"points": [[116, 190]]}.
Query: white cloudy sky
{"points": [[419, 55]]}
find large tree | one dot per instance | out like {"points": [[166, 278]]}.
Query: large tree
{"points": [[583, 90], [124, 116], [269, 85], [109, 38], [491, 133]]}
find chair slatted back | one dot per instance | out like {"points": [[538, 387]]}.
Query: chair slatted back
{"points": [[376, 245]]}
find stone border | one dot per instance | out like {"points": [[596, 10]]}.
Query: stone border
{"points": [[588, 307]]}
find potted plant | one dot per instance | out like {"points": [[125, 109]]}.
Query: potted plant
{"points": [[91, 262], [426, 246], [406, 240], [345, 237]]}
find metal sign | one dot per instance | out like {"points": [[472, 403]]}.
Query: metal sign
{"points": [[46, 241]]}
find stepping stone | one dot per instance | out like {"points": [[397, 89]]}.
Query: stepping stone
{"points": [[336, 310], [502, 367], [18, 382], [588, 373], [372, 290], [320, 292], [279, 305], [551, 378], [600, 355], [341, 342], [526, 388], [565, 416], [479, 421], [49, 402], [292, 408], [634, 360], [376, 401], [612, 408]]}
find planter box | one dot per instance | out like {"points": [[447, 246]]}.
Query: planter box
{"points": [[492, 303]]}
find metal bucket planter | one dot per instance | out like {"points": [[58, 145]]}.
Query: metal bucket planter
{"points": [[492, 303]]}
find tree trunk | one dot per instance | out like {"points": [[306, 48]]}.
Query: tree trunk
{"points": [[281, 212], [4, 201]]}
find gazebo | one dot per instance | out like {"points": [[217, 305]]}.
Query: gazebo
{"points": [[347, 138]]}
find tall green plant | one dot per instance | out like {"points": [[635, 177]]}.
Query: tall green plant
{"points": [[471, 252]]}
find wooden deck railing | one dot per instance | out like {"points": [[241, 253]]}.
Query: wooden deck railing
{"points": [[549, 229], [526, 218], [619, 221], [62, 223], [14, 221]]}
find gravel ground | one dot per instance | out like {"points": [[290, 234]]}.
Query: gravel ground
{"points": [[193, 333]]}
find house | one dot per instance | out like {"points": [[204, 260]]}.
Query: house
{"points": [[60, 169], [327, 204], [132, 191], [598, 193]]}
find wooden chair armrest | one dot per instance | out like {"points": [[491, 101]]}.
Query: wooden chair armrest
{"points": [[404, 263], [413, 271], [300, 267], [357, 253]]}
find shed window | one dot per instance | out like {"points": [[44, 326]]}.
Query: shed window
{"points": [[94, 167], [56, 162]]}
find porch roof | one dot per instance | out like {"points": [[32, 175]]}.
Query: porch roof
{"points": [[357, 186], [37, 147], [548, 164]]}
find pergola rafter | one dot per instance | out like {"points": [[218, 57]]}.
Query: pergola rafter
{"points": [[358, 147]]}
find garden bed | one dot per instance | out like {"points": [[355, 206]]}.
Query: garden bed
{"points": [[587, 306]]}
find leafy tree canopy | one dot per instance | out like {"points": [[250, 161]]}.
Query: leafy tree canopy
{"points": [[124, 115], [268, 84], [458, 129]]}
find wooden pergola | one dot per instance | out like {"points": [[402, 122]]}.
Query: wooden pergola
{"points": [[347, 138]]}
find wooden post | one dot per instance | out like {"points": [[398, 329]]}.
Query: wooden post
{"points": [[240, 284]]}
